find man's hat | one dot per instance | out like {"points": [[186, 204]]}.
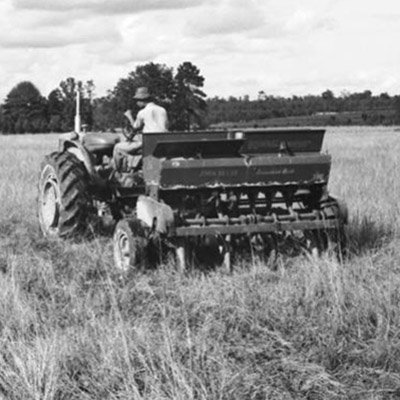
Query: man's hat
{"points": [[142, 93]]}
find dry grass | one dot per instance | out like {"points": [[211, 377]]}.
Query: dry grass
{"points": [[314, 329]]}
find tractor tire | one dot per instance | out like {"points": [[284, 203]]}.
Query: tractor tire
{"points": [[336, 239], [64, 202], [129, 245]]}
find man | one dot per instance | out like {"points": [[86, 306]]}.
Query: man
{"points": [[150, 118]]}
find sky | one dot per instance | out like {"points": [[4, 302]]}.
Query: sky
{"points": [[242, 47]]}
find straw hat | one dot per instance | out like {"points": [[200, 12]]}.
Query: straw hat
{"points": [[142, 93]]}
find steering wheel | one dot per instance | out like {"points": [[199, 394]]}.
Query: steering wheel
{"points": [[128, 132]]}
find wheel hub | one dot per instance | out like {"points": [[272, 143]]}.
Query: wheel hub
{"points": [[50, 206], [123, 251]]}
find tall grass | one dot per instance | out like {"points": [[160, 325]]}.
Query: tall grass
{"points": [[70, 328]]}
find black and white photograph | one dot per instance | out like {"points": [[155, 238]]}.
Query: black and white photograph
{"points": [[199, 200]]}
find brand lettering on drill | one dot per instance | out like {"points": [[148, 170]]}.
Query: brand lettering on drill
{"points": [[276, 171], [222, 173], [263, 145]]}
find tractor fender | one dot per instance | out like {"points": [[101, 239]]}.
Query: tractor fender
{"points": [[155, 215], [78, 150]]}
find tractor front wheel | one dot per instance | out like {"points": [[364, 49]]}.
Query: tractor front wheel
{"points": [[129, 245]]}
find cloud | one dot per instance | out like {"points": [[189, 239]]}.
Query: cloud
{"points": [[77, 32], [226, 17], [55, 39], [306, 20], [105, 6], [241, 46], [52, 24], [392, 18], [125, 54], [34, 29]]}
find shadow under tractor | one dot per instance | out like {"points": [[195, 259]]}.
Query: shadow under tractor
{"points": [[203, 197]]}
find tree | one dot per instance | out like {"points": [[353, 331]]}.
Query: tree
{"points": [[87, 94], [65, 97], [180, 94], [1, 118], [55, 110], [188, 106], [25, 110], [397, 109], [328, 95], [68, 99], [157, 77], [106, 114], [261, 96]]}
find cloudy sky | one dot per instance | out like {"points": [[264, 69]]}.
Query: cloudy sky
{"points": [[283, 47]]}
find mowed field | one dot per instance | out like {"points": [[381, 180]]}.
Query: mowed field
{"points": [[71, 328]]}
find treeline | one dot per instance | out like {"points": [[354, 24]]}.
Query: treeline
{"points": [[349, 108], [180, 91], [25, 110]]}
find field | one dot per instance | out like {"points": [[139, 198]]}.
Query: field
{"points": [[70, 328]]}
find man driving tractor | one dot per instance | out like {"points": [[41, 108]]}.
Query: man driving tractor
{"points": [[150, 118]]}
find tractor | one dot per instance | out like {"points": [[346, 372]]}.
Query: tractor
{"points": [[201, 197]]}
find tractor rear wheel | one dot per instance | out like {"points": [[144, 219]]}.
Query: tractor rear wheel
{"points": [[129, 245], [64, 201]]}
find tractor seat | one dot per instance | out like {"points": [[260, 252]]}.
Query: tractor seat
{"points": [[100, 142]]}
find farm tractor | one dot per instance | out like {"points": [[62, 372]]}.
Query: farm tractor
{"points": [[202, 197]]}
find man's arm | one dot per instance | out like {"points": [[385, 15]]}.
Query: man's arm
{"points": [[136, 125], [139, 122]]}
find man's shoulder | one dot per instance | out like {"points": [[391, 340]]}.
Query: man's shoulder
{"points": [[156, 106]]}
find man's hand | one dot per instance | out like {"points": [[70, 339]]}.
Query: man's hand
{"points": [[130, 136], [128, 130]]}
